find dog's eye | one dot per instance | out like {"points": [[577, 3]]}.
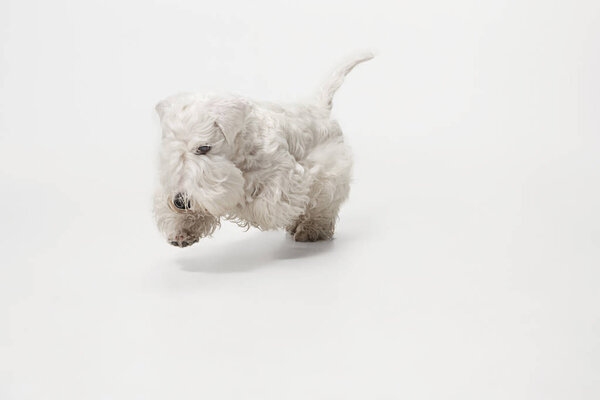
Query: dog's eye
{"points": [[202, 150]]}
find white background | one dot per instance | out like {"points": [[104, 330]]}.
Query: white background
{"points": [[466, 264]]}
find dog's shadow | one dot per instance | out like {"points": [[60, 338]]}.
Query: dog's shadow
{"points": [[255, 251]]}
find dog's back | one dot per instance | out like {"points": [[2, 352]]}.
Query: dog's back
{"points": [[303, 127]]}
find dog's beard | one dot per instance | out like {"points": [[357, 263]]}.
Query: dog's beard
{"points": [[213, 188], [217, 194]]}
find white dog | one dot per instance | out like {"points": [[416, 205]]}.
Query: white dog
{"points": [[255, 163]]}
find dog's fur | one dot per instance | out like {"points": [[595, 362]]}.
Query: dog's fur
{"points": [[270, 166]]}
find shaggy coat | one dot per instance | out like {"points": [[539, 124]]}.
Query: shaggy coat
{"points": [[255, 163]]}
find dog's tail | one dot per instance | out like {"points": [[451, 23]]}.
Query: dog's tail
{"points": [[335, 81]]}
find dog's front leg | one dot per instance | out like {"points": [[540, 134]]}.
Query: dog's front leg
{"points": [[276, 196]]}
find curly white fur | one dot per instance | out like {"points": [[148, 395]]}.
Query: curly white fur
{"points": [[269, 166]]}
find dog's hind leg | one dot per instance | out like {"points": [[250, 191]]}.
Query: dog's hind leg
{"points": [[331, 166]]}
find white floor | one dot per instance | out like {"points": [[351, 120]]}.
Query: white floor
{"points": [[466, 264]]}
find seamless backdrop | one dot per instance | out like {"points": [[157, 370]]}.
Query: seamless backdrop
{"points": [[465, 265]]}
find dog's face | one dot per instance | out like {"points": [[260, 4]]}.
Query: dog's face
{"points": [[198, 181]]}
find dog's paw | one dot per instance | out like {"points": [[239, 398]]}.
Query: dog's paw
{"points": [[306, 236], [307, 232], [291, 229], [183, 240]]}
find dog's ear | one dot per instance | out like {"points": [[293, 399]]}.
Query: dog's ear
{"points": [[179, 100], [162, 108], [230, 116]]}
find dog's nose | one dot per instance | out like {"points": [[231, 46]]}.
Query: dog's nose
{"points": [[181, 202]]}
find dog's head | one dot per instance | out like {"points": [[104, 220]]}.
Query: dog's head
{"points": [[199, 182]]}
